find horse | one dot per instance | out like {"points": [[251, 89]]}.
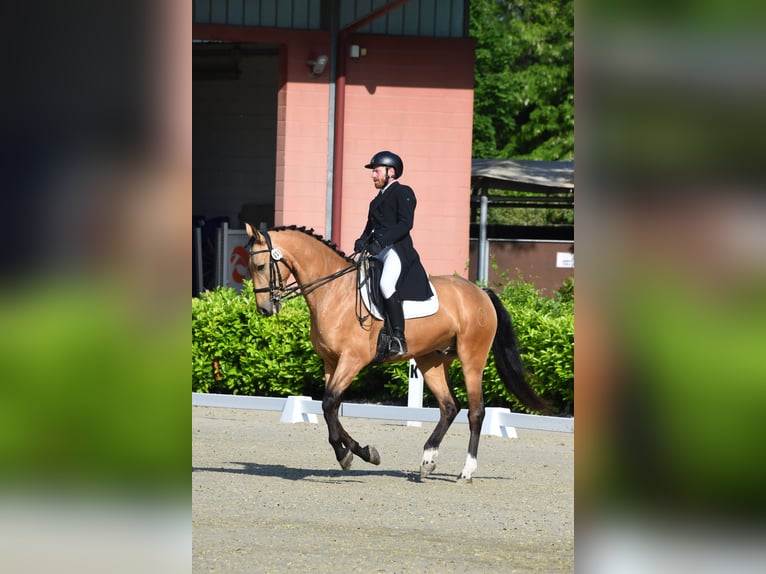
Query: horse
{"points": [[288, 261]]}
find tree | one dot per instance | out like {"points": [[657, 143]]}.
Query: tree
{"points": [[524, 79]]}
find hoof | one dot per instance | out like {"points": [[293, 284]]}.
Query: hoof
{"points": [[426, 469], [463, 480], [345, 462], [374, 455]]}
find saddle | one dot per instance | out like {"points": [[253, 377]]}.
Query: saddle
{"points": [[373, 269], [370, 270]]}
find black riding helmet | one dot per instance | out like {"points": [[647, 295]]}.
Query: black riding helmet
{"points": [[388, 159]]}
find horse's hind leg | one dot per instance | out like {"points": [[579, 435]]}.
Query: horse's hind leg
{"points": [[435, 374], [473, 382]]}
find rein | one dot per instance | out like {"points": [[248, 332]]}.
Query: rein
{"points": [[277, 288]]}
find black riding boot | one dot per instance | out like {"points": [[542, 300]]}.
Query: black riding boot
{"points": [[395, 315]]}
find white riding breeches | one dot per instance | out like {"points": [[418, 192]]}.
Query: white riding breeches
{"points": [[392, 268]]}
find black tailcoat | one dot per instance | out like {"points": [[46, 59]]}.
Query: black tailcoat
{"points": [[389, 220]]}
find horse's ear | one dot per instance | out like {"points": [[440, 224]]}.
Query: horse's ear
{"points": [[251, 232]]}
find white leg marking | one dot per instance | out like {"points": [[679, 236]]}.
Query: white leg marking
{"points": [[429, 456], [428, 464], [469, 468]]}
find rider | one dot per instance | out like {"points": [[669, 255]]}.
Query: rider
{"points": [[386, 236]]}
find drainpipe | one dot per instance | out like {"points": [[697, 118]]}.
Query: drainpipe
{"points": [[338, 142], [331, 127], [341, 45]]}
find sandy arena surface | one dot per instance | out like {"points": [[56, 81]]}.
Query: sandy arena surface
{"points": [[270, 497]]}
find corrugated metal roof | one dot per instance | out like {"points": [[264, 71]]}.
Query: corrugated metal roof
{"points": [[522, 174], [424, 18]]}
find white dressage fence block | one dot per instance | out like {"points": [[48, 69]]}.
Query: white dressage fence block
{"points": [[494, 423], [497, 421], [296, 411]]}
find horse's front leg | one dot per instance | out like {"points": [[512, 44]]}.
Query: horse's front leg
{"points": [[343, 444]]}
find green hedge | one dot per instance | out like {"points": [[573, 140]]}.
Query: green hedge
{"points": [[237, 351]]}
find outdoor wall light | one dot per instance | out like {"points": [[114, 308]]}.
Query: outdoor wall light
{"points": [[318, 65]]}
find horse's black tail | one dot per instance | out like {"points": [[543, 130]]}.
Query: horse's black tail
{"points": [[508, 359]]}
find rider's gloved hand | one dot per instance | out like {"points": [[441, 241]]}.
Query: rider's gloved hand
{"points": [[374, 247]]}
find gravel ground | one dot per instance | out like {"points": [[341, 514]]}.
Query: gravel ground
{"points": [[270, 497]]}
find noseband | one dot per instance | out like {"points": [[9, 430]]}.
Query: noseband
{"points": [[277, 289], [277, 285]]}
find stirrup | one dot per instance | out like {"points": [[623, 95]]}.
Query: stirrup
{"points": [[397, 346]]}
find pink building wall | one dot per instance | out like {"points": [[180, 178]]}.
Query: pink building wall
{"points": [[413, 96], [302, 135]]}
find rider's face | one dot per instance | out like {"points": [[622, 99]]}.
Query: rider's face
{"points": [[379, 176]]}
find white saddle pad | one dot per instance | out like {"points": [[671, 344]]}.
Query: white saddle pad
{"points": [[412, 309]]}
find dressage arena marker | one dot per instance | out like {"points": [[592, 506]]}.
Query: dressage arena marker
{"points": [[415, 390], [497, 422]]}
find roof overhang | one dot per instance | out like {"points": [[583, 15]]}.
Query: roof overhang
{"points": [[551, 183]]}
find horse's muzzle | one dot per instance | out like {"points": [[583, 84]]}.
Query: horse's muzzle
{"points": [[269, 309]]}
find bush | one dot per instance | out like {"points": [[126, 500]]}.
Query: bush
{"points": [[237, 351], [545, 330]]}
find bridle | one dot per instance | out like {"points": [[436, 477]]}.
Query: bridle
{"points": [[277, 288]]}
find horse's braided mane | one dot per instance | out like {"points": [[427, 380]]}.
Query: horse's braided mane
{"points": [[310, 232]]}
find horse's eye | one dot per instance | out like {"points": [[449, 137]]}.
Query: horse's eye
{"points": [[260, 267]]}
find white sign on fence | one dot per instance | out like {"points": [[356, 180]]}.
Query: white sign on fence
{"points": [[565, 260]]}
